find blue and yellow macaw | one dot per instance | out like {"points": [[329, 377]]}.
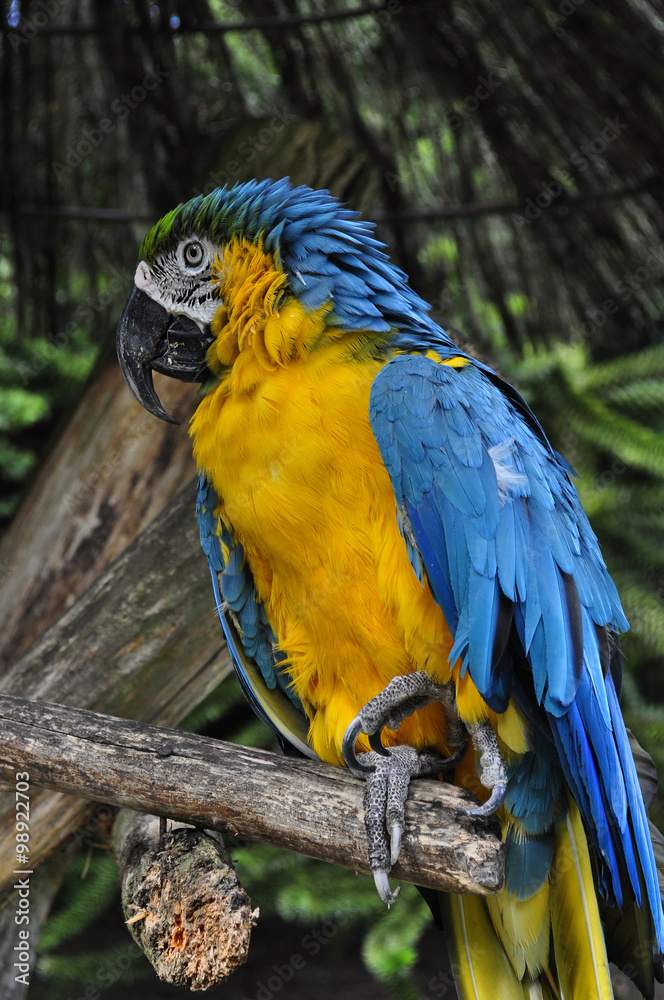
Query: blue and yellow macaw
{"points": [[403, 571]]}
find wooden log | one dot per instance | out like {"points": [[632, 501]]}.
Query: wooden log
{"points": [[113, 471], [149, 619], [182, 901], [303, 806]]}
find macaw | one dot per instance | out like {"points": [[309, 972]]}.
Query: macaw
{"points": [[404, 574]]}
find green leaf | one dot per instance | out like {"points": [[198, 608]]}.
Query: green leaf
{"points": [[19, 408], [81, 899], [390, 946]]}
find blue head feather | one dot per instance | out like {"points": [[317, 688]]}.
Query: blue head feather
{"points": [[327, 251]]}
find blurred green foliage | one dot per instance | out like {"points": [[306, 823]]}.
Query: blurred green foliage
{"points": [[39, 379]]}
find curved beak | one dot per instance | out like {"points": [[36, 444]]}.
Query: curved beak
{"points": [[151, 339]]}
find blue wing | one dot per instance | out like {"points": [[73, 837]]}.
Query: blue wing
{"points": [[497, 527], [259, 666]]}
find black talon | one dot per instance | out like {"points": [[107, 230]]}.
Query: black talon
{"points": [[492, 804], [376, 744], [348, 749], [456, 757]]}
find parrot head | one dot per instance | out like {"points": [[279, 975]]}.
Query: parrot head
{"points": [[165, 324], [327, 255]]}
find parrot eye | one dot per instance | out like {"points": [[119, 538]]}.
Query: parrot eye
{"points": [[192, 254]]}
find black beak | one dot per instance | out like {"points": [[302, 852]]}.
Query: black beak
{"points": [[150, 338]]}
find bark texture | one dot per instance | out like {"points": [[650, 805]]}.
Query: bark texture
{"points": [[182, 901]]}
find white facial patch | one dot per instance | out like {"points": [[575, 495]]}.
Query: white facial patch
{"points": [[179, 292], [509, 481], [143, 278]]}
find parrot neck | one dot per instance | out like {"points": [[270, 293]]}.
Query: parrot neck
{"points": [[261, 326]]}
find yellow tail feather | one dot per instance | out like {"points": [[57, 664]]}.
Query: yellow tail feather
{"points": [[523, 928], [540, 989], [481, 967], [497, 944], [578, 938]]}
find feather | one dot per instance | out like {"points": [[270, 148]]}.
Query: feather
{"points": [[629, 935], [533, 789], [275, 709], [639, 820], [489, 558], [581, 961], [523, 927], [578, 762], [481, 966], [527, 863], [249, 637]]}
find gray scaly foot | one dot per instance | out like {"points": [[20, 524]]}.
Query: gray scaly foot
{"points": [[384, 801], [402, 696], [494, 772], [389, 770]]}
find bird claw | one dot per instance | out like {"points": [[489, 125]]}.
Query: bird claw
{"points": [[494, 772], [395, 832], [376, 743], [492, 804], [446, 763], [383, 887], [384, 803], [348, 749], [388, 771], [388, 709], [457, 756]]}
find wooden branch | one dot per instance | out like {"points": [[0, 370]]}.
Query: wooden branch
{"points": [[303, 806], [182, 900]]}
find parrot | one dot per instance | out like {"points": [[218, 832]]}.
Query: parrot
{"points": [[405, 577]]}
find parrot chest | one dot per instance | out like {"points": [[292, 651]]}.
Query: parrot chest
{"points": [[303, 486]]}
